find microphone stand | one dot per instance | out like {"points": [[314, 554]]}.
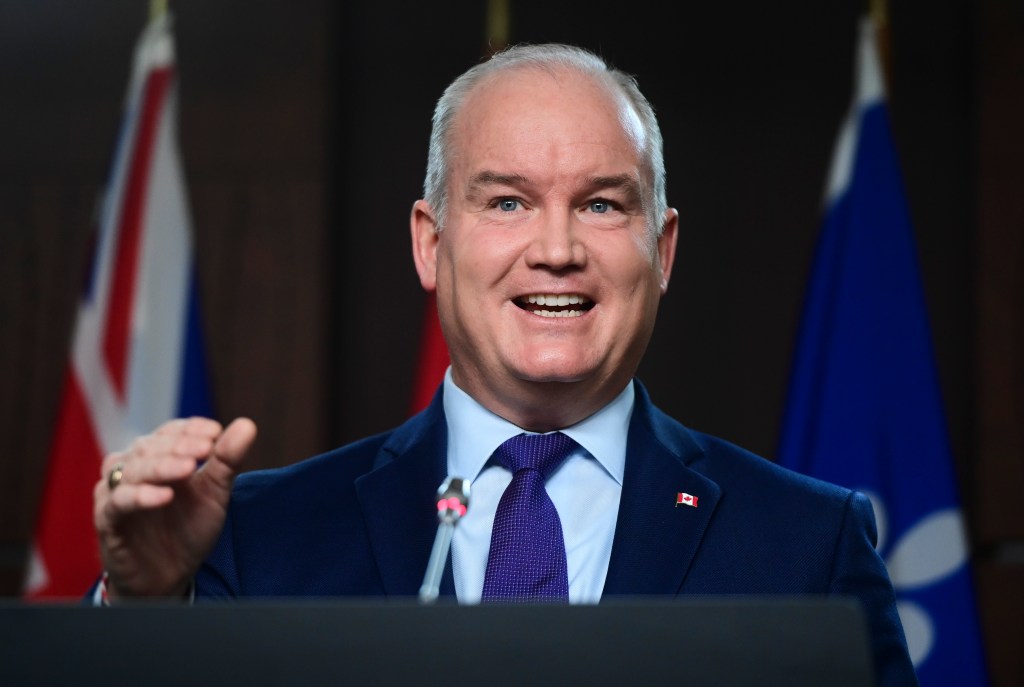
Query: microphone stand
{"points": [[452, 502]]}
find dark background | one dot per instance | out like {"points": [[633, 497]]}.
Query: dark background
{"points": [[303, 129]]}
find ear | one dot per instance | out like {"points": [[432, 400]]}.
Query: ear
{"points": [[667, 246], [425, 237]]}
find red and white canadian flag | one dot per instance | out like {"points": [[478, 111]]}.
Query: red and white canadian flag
{"points": [[683, 499]]}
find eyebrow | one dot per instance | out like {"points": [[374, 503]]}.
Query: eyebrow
{"points": [[622, 182], [490, 178]]}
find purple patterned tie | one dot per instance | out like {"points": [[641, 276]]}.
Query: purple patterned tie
{"points": [[527, 557]]}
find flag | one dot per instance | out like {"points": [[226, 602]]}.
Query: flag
{"points": [[433, 358], [136, 356], [864, 407], [683, 499]]}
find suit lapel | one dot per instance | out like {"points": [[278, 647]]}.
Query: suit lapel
{"points": [[655, 539], [398, 500]]}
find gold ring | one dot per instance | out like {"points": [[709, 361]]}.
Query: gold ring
{"points": [[115, 476]]}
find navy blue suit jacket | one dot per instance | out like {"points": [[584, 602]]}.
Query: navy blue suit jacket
{"points": [[360, 520]]}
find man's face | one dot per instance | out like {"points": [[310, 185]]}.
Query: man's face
{"points": [[547, 276]]}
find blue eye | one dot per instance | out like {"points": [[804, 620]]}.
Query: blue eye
{"points": [[600, 206], [508, 204]]}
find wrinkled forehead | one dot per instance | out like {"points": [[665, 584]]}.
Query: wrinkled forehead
{"points": [[533, 84]]}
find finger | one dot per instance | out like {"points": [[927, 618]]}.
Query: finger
{"points": [[192, 438], [190, 446], [135, 497], [159, 469], [182, 446], [157, 460], [127, 499], [198, 426], [154, 459], [229, 451], [110, 460]]}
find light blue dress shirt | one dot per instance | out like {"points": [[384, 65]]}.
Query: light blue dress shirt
{"points": [[585, 489]]}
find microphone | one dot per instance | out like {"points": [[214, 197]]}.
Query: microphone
{"points": [[452, 502]]}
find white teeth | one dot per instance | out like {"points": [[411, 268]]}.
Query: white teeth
{"points": [[558, 313], [557, 299]]}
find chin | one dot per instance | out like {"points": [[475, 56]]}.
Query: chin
{"points": [[554, 369]]}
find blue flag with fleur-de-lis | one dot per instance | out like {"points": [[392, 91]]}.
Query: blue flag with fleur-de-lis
{"points": [[864, 407]]}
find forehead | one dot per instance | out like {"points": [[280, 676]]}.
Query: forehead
{"points": [[535, 111]]}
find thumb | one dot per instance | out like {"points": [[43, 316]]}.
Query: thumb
{"points": [[234, 442], [229, 450]]}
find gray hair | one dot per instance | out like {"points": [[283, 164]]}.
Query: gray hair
{"points": [[549, 57]]}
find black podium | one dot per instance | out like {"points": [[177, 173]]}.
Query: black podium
{"points": [[713, 641]]}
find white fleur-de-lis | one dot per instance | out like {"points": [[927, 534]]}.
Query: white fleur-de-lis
{"points": [[934, 548]]}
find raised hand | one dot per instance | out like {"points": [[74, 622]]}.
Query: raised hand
{"points": [[159, 505]]}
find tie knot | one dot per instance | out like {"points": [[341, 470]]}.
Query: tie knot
{"points": [[541, 452]]}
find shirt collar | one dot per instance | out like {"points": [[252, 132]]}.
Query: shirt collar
{"points": [[475, 432]]}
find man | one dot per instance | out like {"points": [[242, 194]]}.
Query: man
{"points": [[545, 233]]}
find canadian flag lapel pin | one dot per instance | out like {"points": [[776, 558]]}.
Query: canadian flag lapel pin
{"points": [[684, 499]]}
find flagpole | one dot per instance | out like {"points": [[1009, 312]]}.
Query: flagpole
{"points": [[157, 9], [497, 25], [879, 13]]}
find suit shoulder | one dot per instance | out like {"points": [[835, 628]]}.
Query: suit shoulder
{"points": [[745, 477], [737, 468]]}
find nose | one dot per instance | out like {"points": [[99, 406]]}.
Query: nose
{"points": [[556, 242]]}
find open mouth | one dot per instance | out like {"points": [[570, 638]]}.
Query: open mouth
{"points": [[555, 305]]}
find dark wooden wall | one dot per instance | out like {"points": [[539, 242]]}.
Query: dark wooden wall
{"points": [[995, 470], [303, 131]]}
